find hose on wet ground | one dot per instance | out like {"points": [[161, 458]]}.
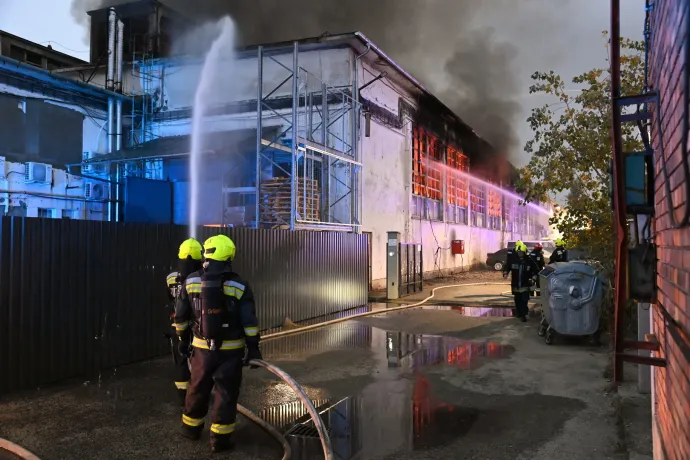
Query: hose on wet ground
{"points": [[15, 450], [318, 422], [299, 330], [304, 398], [287, 450]]}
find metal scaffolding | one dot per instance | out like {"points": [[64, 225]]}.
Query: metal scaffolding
{"points": [[307, 176], [307, 170]]}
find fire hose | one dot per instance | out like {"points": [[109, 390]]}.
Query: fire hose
{"points": [[318, 422], [304, 398]]}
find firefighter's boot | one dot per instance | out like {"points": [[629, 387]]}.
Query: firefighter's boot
{"points": [[221, 443]]}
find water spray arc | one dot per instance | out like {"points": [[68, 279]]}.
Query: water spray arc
{"points": [[221, 51]]}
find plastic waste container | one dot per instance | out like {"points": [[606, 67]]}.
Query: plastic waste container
{"points": [[572, 294]]}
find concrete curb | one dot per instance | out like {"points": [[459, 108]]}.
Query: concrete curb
{"points": [[16, 450]]}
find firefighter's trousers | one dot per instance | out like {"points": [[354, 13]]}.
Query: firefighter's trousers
{"points": [[221, 369], [182, 374], [521, 303]]}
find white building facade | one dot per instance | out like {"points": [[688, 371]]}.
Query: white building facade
{"points": [[378, 165]]}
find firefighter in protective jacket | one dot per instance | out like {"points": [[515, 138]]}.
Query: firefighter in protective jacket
{"points": [[537, 255], [560, 254], [221, 306], [523, 271], [189, 261]]}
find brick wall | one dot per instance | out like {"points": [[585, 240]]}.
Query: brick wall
{"points": [[671, 316]]}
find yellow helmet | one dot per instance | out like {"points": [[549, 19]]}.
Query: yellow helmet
{"points": [[190, 248], [520, 246], [559, 242], [220, 248]]}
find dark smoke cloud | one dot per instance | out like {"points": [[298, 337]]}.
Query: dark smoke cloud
{"points": [[457, 48]]}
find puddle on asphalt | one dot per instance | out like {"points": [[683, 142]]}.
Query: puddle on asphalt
{"points": [[476, 312], [390, 415]]}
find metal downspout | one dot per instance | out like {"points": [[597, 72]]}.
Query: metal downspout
{"points": [[109, 84], [354, 178], [119, 60]]}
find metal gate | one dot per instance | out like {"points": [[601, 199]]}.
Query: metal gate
{"points": [[411, 268]]}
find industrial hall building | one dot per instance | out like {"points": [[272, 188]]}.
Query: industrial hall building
{"points": [[318, 134]]}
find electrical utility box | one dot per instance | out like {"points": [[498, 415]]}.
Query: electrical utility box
{"points": [[457, 247], [393, 265]]}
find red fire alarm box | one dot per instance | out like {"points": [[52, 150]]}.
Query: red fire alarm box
{"points": [[457, 247]]}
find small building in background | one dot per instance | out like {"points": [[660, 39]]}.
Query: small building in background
{"points": [[48, 122], [28, 52]]}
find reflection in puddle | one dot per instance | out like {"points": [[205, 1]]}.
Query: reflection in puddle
{"points": [[357, 432], [391, 414], [494, 312]]}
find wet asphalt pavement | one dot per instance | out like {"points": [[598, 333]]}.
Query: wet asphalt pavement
{"points": [[444, 382]]}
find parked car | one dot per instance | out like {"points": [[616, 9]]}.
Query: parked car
{"points": [[497, 259], [548, 247]]}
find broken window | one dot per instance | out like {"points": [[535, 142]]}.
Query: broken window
{"points": [[477, 205], [427, 175], [457, 191], [495, 209]]}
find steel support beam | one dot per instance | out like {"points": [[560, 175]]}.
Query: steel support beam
{"points": [[259, 128], [295, 107]]}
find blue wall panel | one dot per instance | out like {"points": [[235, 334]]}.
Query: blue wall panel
{"points": [[148, 201]]}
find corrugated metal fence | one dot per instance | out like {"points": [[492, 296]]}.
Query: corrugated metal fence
{"points": [[77, 297]]}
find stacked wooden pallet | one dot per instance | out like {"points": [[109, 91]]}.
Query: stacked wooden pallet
{"points": [[276, 197]]}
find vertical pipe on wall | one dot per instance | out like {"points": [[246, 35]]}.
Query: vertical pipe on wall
{"points": [[619, 195], [112, 20], [259, 128], [119, 58], [326, 168], [295, 97], [354, 135]]}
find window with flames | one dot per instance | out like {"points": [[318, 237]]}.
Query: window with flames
{"points": [[478, 205], [428, 154], [495, 209], [427, 160], [457, 180]]}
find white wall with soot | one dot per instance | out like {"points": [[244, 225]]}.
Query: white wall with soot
{"points": [[386, 196]]}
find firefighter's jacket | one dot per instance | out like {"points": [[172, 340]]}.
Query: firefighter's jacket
{"points": [[175, 278], [216, 308], [538, 256], [559, 255], [522, 272]]}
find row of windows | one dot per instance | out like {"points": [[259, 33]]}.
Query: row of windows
{"points": [[467, 201], [516, 219]]}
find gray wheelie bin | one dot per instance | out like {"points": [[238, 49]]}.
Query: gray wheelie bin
{"points": [[571, 296]]}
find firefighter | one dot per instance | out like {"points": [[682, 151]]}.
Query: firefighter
{"points": [[189, 261], [523, 269], [560, 254], [222, 305], [537, 255]]}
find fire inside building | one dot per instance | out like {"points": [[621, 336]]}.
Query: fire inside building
{"points": [[326, 133]]}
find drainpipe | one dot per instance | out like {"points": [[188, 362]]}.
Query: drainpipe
{"points": [[119, 58], [109, 84], [354, 185], [118, 111], [112, 24], [110, 77]]}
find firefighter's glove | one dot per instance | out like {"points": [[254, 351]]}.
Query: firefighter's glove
{"points": [[253, 352], [183, 348]]}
